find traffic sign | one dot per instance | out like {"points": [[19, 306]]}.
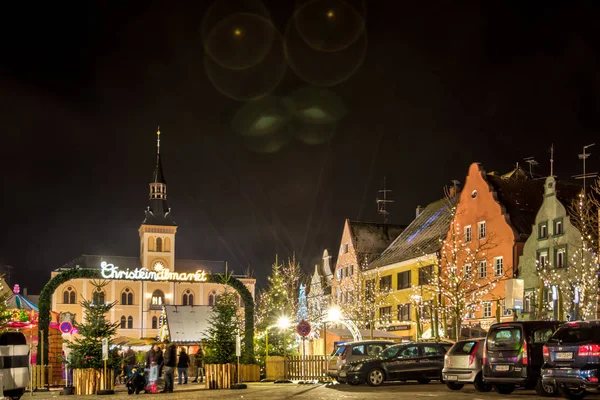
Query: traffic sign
{"points": [[66, 327], [303, 328]]}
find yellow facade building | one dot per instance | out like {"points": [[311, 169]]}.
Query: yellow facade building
{"points": [[140, 286], [404, 270]]}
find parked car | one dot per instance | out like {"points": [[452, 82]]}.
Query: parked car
{"points": [[513, 356], [572, 359], [353, 351], [462, 365], [422, 362]]}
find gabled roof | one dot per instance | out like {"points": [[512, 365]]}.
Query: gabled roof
{"points": [[181, 265], [371, 239], [521, 197], [422, 237]]}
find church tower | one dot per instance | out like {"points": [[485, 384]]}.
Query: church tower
{"points": [[157, 232]]}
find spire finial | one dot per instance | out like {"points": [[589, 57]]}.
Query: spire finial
{"points": [[158, 140]]}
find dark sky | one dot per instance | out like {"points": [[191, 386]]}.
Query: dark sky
{"points": [[83, 86]]}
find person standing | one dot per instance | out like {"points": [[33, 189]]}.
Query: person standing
{"points": [[170, 361], [182, 366], [129, 361], [199, 363]]}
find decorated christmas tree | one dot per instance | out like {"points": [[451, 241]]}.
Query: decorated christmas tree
{"points": [[223, 326], [86, 347]]}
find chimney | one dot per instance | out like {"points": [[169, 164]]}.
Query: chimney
{"points": [[418, 211]]}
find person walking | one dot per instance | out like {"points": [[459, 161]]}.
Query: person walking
{"points": [[199, 363], [182, 366], [170, 361]]}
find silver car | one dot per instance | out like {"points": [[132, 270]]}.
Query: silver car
{"points": [[353, 351], [462, 365]]}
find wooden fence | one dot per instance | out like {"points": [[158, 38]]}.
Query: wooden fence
{"points": [[274, 366], [41, 375], [299, 368], [222, 376], [308, 368], [89, 381]]}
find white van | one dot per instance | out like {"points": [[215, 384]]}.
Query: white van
{"points": [[353, 351]]}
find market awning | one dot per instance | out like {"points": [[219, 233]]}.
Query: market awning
{"points": [[187, 324]]}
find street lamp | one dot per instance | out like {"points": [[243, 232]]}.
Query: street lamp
{"points": [[283, 323], [334, 314]]}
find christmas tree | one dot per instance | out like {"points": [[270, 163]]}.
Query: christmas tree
{"points": [[86, 348], [223, 326]]}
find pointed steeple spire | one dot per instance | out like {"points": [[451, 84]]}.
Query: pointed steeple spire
{"points": [[158, 211], [158, 176]]}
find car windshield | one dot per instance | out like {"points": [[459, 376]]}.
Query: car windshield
{"points": [[504, 337], [575, 334], [339, 351]]}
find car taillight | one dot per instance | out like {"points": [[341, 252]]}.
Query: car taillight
{"points": [[546, 352], [589, 350], [484, 359], [473, 353], [524, 354]]}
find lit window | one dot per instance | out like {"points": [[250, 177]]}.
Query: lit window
{"points": [[481, 230], [487, 309], [498, 266], [468, 233], [560, 257], [542, 258], [558, 227], [158, 298], [482, 269], [543, 230], [468, 272]]}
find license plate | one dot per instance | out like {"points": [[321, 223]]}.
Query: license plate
{"points": [[501, 367], [451, 377], [563, 356], [342, 374]]}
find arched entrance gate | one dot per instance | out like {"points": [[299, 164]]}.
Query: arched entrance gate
{"points": [[89, 273]]}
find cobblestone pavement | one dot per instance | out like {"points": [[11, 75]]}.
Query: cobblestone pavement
{"points": [[272, 391]]}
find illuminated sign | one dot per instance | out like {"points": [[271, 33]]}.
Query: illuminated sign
{"points": [[111, 271]]}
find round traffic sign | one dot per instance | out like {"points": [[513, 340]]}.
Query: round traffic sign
{"points": [[303, 328], [66, 327]]}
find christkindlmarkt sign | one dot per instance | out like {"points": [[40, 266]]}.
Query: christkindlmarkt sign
{"points": [[111, 271]]}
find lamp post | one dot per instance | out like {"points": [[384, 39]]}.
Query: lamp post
{"points": [[283, 323], [333, 315]]}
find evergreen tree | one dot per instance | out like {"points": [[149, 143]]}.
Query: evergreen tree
{"points": [[86, 348], [223, 326], [5, 314]]}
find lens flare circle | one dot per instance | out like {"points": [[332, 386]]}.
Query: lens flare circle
{"points": [[240, 41], [328, 25], [221, 9], [321, 68], [250, 83]]}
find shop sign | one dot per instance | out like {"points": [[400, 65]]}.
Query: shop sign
{"points": [[111, 271]]}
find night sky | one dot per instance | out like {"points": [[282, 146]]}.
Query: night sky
{"points": [[423, 92]]}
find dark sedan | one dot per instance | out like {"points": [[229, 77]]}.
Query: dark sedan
{"points": [[422, 362]]}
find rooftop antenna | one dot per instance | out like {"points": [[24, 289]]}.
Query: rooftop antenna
{"points": [[583, 156], [552, 160], [532, 163], [382, 203]]}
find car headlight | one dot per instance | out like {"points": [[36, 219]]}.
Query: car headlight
{"points": [[357, 367]]}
